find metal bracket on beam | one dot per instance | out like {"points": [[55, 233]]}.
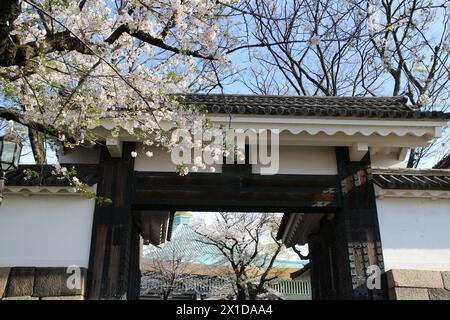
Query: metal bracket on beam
{"points": [[358, 151], [114, 146]]}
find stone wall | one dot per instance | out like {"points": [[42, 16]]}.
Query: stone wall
{"points": [[30, 283], [418, 284]]}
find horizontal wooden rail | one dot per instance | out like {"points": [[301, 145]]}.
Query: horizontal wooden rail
{"points": [[216, 191]]}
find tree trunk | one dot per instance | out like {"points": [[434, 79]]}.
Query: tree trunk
{"points": [[242, 292], [9, 12], [37, 146], [264, 277], [252, 292]]}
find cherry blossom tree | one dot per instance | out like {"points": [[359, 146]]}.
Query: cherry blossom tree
{"points": [[176, 268], [248, 245], [170, 269], [66, 65]]}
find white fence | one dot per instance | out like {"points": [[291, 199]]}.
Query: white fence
{"points": [[292, 287]]}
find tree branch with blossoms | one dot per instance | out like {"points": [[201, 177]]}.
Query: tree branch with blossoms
{"points": [[48, 50]]}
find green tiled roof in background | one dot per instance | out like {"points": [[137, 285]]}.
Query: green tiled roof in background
{"points": [[185, 244]]}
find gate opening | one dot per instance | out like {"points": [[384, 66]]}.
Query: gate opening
{"points": [[224, 255]]}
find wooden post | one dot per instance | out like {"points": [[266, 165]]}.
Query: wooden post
{"points": [[112, 228], [134, 282], [357, 224]]}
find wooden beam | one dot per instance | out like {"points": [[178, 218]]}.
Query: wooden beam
{"points": [[114, 146], [204, 191], [358, 151], [356, 225], [112, 227], [402, 154], [153, 225], [100, 227]]}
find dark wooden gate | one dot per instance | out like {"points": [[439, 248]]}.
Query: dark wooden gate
{"points": [[349, 243], [345, 246]]}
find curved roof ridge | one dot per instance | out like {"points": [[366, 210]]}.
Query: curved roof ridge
{"points": [[399, 97], [322, 106], [415, 179]]}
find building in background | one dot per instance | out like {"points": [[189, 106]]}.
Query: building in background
{"points": [[204, 266]]}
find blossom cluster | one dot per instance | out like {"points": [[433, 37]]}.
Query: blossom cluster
{"points": [[128, 77]]}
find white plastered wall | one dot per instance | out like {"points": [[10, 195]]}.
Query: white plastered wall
{"points": [[45, 230], [83, 155], [305, 160], [160, 161], [387, 161], [292, 160], [415, 233]]}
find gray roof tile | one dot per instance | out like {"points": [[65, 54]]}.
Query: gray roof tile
{"points": [[416, 179], [362, 107], [444, 163], [85, 172]]}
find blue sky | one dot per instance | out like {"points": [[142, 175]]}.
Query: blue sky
{"points": [[241, 61]]}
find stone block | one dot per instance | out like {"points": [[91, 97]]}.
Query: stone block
{"points": [[4, 275], [21, 298], [439, 294], [21, 282], [64, 298], [446, 279], [414, 279], [409, 294], [52, 282]]}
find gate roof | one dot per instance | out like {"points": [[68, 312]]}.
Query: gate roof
{"points": [[372, 107]]}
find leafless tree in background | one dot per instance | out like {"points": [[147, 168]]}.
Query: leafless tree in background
{"points": [[302, 47], [356, 48]]}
